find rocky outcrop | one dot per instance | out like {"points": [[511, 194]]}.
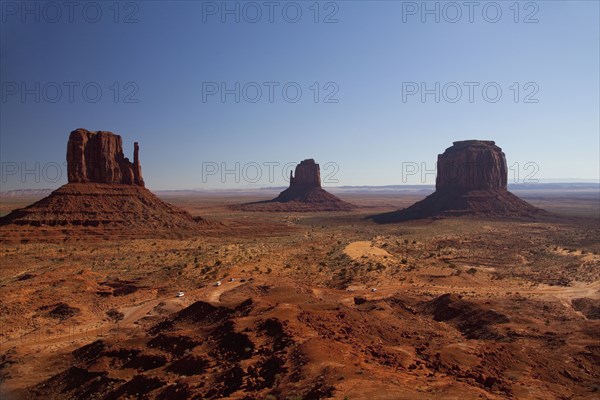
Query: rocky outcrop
{"points": [[105, 193], [471, 179], [98, 157], [304, 194]]}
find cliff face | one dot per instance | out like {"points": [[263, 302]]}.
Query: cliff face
{"points": [[307, 175], [98, 157], [472, 165]]}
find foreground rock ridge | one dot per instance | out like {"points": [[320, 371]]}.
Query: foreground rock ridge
{"points": [[105, 191], [98, 157], [471, 179], [304, 193]]}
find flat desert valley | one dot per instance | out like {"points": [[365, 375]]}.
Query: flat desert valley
{"points": [[307, 305]]}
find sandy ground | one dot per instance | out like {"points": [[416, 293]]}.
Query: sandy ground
{"points": [[365, 249]]}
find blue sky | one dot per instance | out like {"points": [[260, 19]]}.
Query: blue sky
{"points": [[165, 56]]}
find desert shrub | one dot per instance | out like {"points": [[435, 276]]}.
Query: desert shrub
{"points": [[115, 315]]}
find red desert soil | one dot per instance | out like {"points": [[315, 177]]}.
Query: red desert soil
{"points": [[310, 306]]}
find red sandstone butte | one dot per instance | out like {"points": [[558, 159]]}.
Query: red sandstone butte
{"points": [[98, 157], [106, 191], [471, 179], [304, 194]]}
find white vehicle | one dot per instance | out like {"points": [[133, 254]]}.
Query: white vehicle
{"points": [[231, 279], [373, 289], [179, 294], [218, 283]]}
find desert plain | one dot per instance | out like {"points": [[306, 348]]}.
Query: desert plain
{"points": [[307, 305]]}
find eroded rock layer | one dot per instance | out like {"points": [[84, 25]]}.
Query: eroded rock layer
{"points": [[102, 205]]}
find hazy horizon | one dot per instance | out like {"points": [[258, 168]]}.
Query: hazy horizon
{"points": [[255, 187]]}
